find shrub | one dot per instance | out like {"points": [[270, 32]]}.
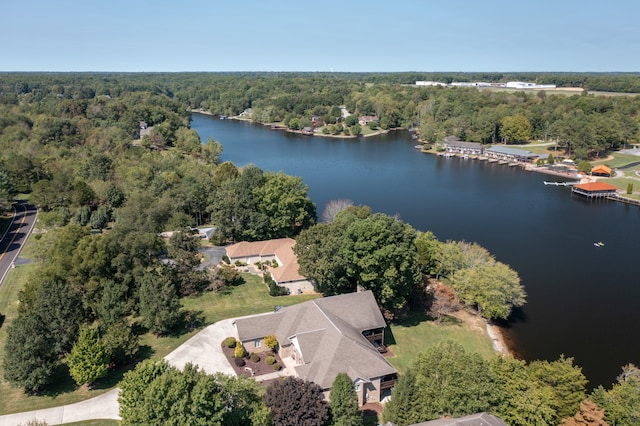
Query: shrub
{"points": [[239, 352], [272, 342], [229, 342], [226, 259], [274, 289], [238, 361], [270, 360], [274, 263], [630, 188], [255, 358], [277, 367], [238, 263]]}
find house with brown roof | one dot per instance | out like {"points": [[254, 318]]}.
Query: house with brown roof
{"points": [[280, 250], [327, 336], [366, 119], [601, 170]]}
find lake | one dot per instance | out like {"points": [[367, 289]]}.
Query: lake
{"points": [[582, 299]]}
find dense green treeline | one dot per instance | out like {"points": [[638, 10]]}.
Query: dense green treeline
{"points": [[586, 126], [72, 143], [104, 195]]}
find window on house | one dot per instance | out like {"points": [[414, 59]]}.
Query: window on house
{"points": [[257, 343], [357, 387]]}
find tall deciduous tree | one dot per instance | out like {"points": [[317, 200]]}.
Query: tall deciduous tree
{"points": [[284, 202], [155, 393], [159, 303], [343, 402], [493, 288], [565, 380], [452, 382], [515, 129], [294, 402], [621, 403], [29, 361]]}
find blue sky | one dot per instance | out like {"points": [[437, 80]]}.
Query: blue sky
{"points": [[301, 35]]}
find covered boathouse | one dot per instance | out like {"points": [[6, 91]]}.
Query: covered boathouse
{"points": [[595, 190]]}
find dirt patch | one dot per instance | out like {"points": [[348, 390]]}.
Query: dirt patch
{"points": [[477, 323]]}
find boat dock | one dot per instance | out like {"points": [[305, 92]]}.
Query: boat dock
{"points": [[561, 183]]}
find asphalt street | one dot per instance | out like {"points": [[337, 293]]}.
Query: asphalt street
{"points": [[16, 235]]}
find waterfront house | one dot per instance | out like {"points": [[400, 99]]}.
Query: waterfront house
{"points": [[595, 190], [280, 250], [601, 170], [454, 145], [327, 336], [307, 131], [503, 153], [366, 119]]}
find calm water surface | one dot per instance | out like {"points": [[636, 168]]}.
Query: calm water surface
{"points": [[583, 301]]}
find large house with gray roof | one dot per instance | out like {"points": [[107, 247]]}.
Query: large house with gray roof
{"points": [[327, 336]]}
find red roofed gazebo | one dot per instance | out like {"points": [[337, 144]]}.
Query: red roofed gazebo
{"points": [[601, 170], [595, 189]]}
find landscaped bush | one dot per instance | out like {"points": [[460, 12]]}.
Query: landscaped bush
{"points": [[254, 358], [238, 361], [274, 289], [238, 263], [271, 342], [226, 259], [240, 352], [270, 360], [229, 342], [277, 367]]}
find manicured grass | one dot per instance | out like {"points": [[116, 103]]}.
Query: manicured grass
{"points": [[249, 298], [619, 160], [407, 338]]}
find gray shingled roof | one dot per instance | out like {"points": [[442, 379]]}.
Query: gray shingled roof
{"points": [[479, 419], [511, 151], [328, 332]]}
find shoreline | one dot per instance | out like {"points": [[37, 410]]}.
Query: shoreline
{"points": [[498, 339], [299, 132]]}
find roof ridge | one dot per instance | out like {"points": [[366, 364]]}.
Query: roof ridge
{"points": [[327, 317]]}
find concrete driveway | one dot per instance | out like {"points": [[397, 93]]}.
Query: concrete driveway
{"points": [[203, 349]]}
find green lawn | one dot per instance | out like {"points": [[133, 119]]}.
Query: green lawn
{"points": [[252, 297], [407, 338], [249, 298], [618, 160]]}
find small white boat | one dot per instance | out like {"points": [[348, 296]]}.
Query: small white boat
{"points": [[598, 244]]}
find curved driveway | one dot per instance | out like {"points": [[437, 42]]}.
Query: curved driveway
{"points": [[203, 349], [21, 226]]}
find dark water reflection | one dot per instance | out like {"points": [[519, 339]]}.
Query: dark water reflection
{"points": [[582, 300]]}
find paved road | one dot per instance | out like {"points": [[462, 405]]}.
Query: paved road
{"points": [[16, 235]]}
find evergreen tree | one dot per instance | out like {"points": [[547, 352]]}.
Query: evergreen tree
{"points": [[89, 359], [403, 408], [343, 402]]}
